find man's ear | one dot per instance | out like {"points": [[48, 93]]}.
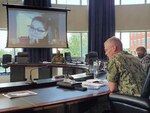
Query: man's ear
{"points": [[114, 48]]}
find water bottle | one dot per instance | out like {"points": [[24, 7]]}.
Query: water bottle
{"points": [[90, 69], [95, 69]]}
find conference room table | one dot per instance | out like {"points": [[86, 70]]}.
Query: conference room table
{"points": [[54, 99], [50, 97], [18, 70], [42, 83]]}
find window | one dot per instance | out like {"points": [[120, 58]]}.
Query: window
{"points": [[74, 48], [148, 1], [71, 2], [3, 49], [125, 38], [131, 40], [139, 41], [53, 1], [117, 34], [78, 44], [134, 43], [131, 43], [143, 42], [148, 42], [84, 44], [78, 49], [129, 2], [84, 2], [117, 2], [148, 51]]}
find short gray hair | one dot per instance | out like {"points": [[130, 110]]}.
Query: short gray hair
{"points": [[115, 41]]}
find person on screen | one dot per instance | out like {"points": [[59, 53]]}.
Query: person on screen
{"points": [[37, 31], [58, 58], [143, 57], [126, 74]]}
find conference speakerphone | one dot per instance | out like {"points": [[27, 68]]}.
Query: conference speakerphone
{"points": [[76, 77], [75, 86]]}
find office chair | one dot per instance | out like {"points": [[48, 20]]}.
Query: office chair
{"points": [[22, 57], [91, 57], [132, 104], [6, 58], [67, 56]]}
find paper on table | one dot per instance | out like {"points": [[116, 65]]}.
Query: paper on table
{"points": [[94, 83], [17, 94]]}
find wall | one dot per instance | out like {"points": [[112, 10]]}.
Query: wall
{"points": [[128, 17], [133, 17], [3, 16], [77, 18]]}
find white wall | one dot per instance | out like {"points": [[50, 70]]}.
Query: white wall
{"points": [[128, 17], [133, 17]]}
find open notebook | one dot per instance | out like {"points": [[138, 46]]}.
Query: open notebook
{"points": [[17, 94], [94, 83]]}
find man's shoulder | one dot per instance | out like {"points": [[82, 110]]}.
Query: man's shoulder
{"points": [[125, 56], [146, 57]]}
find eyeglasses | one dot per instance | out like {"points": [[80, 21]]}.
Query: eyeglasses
{"points": [[36, 29]]}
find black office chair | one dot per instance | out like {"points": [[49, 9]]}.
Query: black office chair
{"points": [[91, 57], [6, 58], [132, 104], [22, 57], [67, 56]]}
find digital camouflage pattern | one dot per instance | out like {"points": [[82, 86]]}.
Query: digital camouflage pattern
{"points": [[146, 62], [58, 59], [127, 71]]}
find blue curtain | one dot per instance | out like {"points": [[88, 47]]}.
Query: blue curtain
{"points": [[101, 24], [39, 3], [38, 54]]}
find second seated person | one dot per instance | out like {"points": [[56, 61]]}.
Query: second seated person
{"points": [[126, 74], [58, 58], [143, 57]]}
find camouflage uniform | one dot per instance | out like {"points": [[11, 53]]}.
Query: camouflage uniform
{"points": [[56, 59], [127, 72], [146, 62]]}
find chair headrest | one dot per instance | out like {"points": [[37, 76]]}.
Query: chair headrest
{"points": [[92, 54], [23, 54], [6, 55], [91, 57], [68, 57]]}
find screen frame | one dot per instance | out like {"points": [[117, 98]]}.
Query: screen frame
{"points": [[52, 9]]}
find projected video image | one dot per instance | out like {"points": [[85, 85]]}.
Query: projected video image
{"points": [[36, 28]]}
